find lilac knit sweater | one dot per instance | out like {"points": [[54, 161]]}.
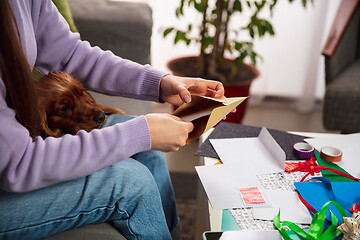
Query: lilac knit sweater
{"points": [[27, 164]]}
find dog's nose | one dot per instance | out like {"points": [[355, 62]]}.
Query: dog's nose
{"points": [[99, 116]]}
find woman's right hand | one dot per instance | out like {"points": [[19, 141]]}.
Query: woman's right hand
{"points": [[168, 132]]}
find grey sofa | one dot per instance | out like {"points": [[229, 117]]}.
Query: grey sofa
{"points": [[341, 109], [124, 28]]}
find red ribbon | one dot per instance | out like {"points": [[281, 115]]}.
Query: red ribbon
{"points": [[355, 208], [311, 167]]}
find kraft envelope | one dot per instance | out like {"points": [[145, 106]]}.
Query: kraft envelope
{"points": [[205, 112]]}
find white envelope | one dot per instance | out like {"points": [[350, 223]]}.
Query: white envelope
{"points": [[263, 152], [291, 208]]}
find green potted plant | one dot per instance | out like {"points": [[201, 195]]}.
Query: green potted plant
{"points": [[216, 39]]}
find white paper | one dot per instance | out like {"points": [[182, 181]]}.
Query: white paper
{"points": [[251, 235], [291, 208], [350, 146], [221, 181], [199, 114], [262, 152]]}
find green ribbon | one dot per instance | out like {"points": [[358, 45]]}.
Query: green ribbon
{"points": [[316, 226]]}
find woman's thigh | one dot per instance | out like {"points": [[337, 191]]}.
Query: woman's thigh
{"points": [[124, 194], [155, 161]]}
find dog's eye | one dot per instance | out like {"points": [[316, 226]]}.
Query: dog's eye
{"points": [[64, 109]]}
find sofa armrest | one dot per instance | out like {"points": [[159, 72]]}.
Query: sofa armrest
{"points": [[341, 48]]}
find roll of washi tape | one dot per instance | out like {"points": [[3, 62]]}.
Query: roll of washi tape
{"points": [[303, 150], [331, 154]]}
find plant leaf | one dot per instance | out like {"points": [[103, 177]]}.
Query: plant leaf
{"points": [[181, 36], [167, 31], [304, 3], [248, 3], [237, 6]]}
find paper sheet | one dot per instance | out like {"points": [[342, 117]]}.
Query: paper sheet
{"points": [[291, 208], [202, 120], [221, 182], [262, 152], [243, 160], [348, 144], [251, 235]]}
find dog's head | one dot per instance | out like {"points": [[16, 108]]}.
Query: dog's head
{"points": [[65, 105]]}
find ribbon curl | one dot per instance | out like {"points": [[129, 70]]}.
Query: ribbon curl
{"points": [[355, 208], [351, 227], [311, 167], [317, 225]]}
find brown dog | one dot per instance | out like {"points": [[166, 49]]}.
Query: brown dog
{"points": [[66, 107]]}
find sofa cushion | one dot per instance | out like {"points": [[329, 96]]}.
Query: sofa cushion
{"points": [[90, 232], [123, 27], [342, 101]]}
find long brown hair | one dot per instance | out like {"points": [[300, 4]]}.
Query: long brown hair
{"points": [[16, 73]]}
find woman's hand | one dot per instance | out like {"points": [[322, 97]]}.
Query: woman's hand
{"points": [[177, 90], [168, 132]]}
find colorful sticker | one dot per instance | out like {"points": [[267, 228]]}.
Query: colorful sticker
{"points": [[252, 196]]}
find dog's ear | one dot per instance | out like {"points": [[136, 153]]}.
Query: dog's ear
{"points": [[45, 130]]}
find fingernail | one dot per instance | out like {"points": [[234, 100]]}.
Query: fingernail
{"points": [[217, 95], [187, 98]]}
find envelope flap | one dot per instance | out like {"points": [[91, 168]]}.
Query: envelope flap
{"points": [[197, 103]]}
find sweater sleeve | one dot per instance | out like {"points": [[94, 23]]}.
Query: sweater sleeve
{"points": [[27, 164], [102, 71]]}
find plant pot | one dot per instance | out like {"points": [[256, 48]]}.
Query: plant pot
{"points": [[237, 87]]}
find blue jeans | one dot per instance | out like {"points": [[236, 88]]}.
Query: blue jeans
{"points": [[135, 195]]}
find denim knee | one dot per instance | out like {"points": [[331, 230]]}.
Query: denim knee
{"points": [[132, 178], [139, 211]]}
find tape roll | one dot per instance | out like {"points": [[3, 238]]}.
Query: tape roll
{"points": [[331, 154], [303, 150]]}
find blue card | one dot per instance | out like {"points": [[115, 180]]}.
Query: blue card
{"points": [[319, 193]]}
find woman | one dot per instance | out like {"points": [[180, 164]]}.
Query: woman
{"points": [[111, 174]]}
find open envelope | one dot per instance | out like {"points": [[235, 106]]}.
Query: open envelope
{"points": [[263, 152], [205, 112]]}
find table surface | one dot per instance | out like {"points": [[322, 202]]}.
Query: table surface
{"points": [[215, 216]]}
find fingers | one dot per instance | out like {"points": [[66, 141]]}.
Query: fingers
{"points": [[168, 132], [177, 90], [185, 95], [217, 87], [189, 126], [208, 88]]}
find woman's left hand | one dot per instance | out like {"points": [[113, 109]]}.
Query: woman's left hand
{"points": [[177, 90]]}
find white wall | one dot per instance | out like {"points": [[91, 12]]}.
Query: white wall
{"points": [[292, 64]]}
